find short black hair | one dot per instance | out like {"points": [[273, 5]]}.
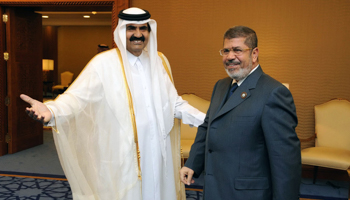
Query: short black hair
{"points": [[242, 31]]}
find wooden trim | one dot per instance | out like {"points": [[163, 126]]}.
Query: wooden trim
{"points": [[309, 139], [339, 99], [57, 3], [3, 88], [194, 189], [36, 177], [117, 6]]}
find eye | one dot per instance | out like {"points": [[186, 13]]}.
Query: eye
{"points": [[143, 28], [130, 28], [226, 51], [237, 50]]}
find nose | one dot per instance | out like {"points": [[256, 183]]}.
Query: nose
{"points": [[137, 33], [231, 55]]}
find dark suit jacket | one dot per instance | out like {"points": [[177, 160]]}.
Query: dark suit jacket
{"points": [[247, 147]]}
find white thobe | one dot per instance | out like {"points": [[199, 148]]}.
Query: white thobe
{"points": [[106, 149], [157, 174]]}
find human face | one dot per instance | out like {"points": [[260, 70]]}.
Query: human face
{"points": [[239, 66], [137, 36]]}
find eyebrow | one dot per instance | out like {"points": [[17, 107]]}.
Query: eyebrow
{"points": [[237, 47], [130, 26], [134, 27]]}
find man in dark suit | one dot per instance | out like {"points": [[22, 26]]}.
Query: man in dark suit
{"points": [[247, 148]]}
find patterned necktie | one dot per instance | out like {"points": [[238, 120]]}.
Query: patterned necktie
{"points": [[233, 88]]}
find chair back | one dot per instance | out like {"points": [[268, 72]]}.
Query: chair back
{"points": [[332, 121], [286, 84], [201, 104], [66, 78]]}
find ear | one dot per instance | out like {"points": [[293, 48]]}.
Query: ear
{"points": [[255, 54]]}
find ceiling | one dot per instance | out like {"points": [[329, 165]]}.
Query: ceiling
{"points": [[100, 18]]}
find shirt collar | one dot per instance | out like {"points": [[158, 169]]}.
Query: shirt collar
{"points": [[132, 58]]}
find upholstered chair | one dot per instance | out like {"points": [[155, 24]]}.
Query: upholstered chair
{"points": [[66, 80], [332, 137]]}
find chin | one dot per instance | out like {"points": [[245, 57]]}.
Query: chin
{"points": [[235, 75]]}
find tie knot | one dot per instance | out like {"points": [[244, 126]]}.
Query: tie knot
{"points": [[233, 87]]}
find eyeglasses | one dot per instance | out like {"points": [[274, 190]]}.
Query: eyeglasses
{"points": [[236, 51]]}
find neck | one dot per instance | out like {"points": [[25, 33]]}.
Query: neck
{"points": [[254, 66], [137, 54]]}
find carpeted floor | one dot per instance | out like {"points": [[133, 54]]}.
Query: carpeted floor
{"points": [[42, 161], [23, 175], [31, 188]]}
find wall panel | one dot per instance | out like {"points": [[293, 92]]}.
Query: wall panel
{"points": [[303, 43], [78, 44]]}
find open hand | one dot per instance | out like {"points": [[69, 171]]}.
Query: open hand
{"points": [[38, 111]]}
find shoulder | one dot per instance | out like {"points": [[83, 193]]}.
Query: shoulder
{"points": [[112, 53], [267, 79], [165, 63], [273, 90], [160, 54], [223, 82], [163, 57], [269, 82], [105, 58], [220, 85]]}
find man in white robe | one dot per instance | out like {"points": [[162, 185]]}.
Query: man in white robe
{"points": [[121, 106]]}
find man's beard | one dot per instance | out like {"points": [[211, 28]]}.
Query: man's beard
{"points": [[242, 72]]}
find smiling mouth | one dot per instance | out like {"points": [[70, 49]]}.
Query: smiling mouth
{"points": [[231, 69], [232, 65], [137, 42]]}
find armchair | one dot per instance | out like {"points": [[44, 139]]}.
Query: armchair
{"points": [[66, 80], [332, 138]]}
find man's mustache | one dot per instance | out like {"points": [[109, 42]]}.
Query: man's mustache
{"points": [[132, 38], [233, 62]]}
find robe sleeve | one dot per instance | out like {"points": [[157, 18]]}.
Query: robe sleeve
{"points": [[183, 110], [188, 114]]}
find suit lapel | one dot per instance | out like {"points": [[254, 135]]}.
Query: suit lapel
{"points": [[241, 94], [222, 93]]}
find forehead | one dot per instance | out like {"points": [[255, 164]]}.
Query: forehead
{"points": [[235, 42], [136, 25]]}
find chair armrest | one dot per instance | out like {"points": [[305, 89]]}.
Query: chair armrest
{"points": [[309, 139]]}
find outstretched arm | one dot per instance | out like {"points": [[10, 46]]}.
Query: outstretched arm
{"points": [[38, 111], [189, 114]]}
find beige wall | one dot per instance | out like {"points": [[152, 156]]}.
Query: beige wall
{"points": [[303, 43], [78, 44]]}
